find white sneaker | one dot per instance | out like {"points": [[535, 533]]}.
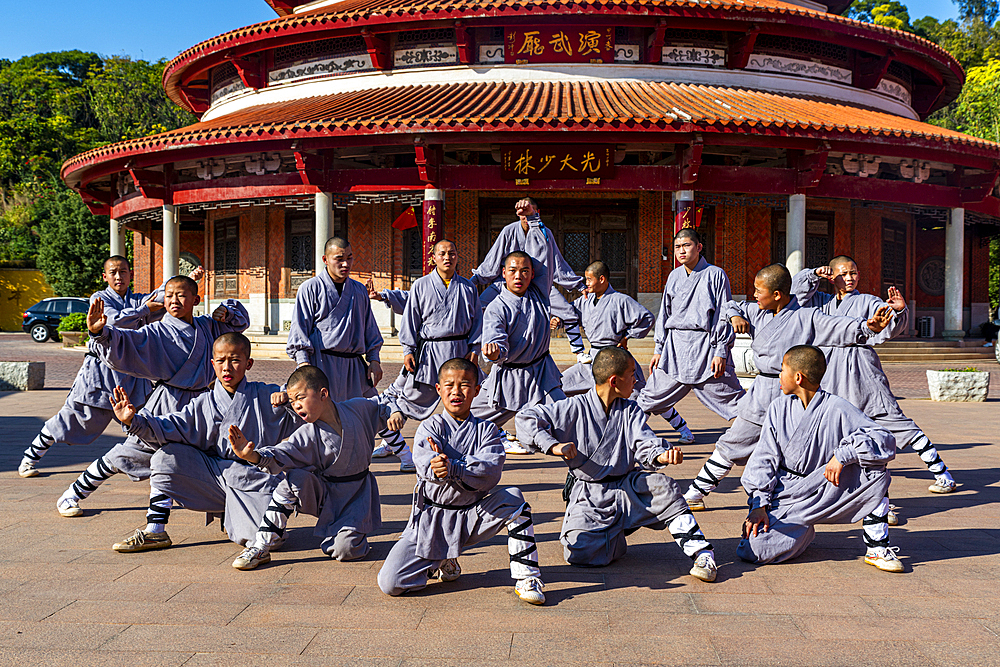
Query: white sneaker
{"points": [[512, 446], [892, 517], [704, 567], [687, 437], [69, 506], [27, 468], [449, 570], [885, 559], [584, 358], [529, 589], [251, 557], [942, 485], [385, 450]]}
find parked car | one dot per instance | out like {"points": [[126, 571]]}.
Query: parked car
{"points": [[41, 321]]}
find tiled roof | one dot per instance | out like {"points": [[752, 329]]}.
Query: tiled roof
{"points": [[623, 106], [340, 15]]}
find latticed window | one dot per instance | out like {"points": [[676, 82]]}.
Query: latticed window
{"points": [[227, 256], [324, 48], [301, 257], [576, 250], [893, 255], [426, 36], [413, 251], [613, 251]]}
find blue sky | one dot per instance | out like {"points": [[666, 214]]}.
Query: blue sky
{"points": [[153, 30]]}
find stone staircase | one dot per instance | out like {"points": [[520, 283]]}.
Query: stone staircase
{"points": [[904, 350]]}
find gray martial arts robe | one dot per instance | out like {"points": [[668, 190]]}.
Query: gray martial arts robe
{"points": [[785, 472], [474, 448], [690, 332], [328, 473], [176, 357], [855, 372], [457, 511], [87, 411], [610, 497], [525, 373], [439, 323], [395, 299], [335, 332], [607, 321], [540, 244], [195, 465]]}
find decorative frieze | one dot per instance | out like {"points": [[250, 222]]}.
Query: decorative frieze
{"points": [[693, 55], [491, 53], [626, 53], [421, 56], [894, 90], [338, 65], [234, 86], [804, 68]]}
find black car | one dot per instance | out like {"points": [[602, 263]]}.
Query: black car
{"points": [[41, 321]]}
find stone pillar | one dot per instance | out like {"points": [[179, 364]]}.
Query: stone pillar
{"points": [[433, 219], [954, 275], [116, 245], [324, 226], [171, 241], [795, 234]]}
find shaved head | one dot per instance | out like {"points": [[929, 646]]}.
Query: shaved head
{"points": [[235, 340], [807, 360], [462, 365], [776, 278], [598, 269], [840, 260], [187, 283], [309, 376], [611, 361], [335, 242]]}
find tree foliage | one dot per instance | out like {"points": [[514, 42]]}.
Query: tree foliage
{"points": [[54, 106], [73, 243]]}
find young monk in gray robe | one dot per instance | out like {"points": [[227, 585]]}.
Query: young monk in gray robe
{"points": [[333, 327], [194, 464], [456, 502], [516, 339], [529, 235], [692, 338], [610, 319], [855, 373], [819, 460], [442, 320], [175, 354], [324, 467], [602, 435], [87, 411], [776, 323]]}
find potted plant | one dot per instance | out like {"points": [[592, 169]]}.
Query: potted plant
{"points": [[958, 384], [73, 330]]}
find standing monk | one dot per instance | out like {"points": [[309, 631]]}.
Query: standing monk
{"points": [[442, 320], [692, 339], [333, 327]]}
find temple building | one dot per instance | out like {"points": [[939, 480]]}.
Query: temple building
{"points": [[780, 129]]}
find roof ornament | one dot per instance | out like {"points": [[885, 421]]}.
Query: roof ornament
{"points": [[211, 169]]}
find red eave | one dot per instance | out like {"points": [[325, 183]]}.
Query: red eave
{"points": [[349, 16], [632, 107]]}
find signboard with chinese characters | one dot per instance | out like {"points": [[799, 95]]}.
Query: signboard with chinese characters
{"points": [[560, 45], [556, 161]]}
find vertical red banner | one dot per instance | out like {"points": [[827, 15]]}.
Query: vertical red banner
{"points": [[684, 216], [433, 219]]}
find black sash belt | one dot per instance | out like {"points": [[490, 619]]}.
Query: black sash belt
{"points": [[347, 478], [446, 338], [344, 355], [782, 466], [350, 355], [428, 501], [530, 363], [91, 354], [164, 383], [572, 479], [773, 376]]}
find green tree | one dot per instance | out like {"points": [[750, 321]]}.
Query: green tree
{"points": [[128, 100], [891, 13], [977, 110], [73, 243]]}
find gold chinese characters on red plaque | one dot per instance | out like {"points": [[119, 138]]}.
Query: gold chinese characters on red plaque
{"points": [[559, 45], [545, 162]]}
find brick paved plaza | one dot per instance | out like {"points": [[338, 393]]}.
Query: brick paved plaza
{"points": [[67, 598]]}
